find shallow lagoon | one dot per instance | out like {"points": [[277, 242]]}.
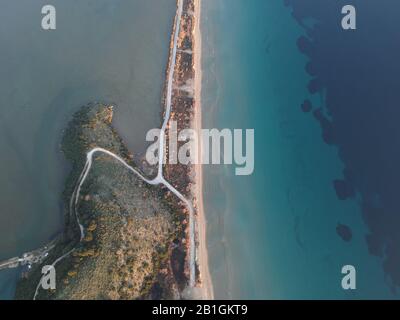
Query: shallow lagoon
{"points": [[111, 51]]}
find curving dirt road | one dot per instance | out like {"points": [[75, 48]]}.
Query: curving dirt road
{"points": [[159, 179]]}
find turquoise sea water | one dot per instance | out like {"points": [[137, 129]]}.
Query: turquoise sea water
{"points": [[273, 234], [270, 235]]}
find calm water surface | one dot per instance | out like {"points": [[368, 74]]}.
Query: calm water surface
{"points": [[112, 51], [273, 234]]}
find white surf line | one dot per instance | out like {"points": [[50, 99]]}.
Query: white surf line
{"points": [[159, 179]]}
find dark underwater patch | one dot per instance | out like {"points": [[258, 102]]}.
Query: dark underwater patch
{"points": [[306, 106], [344, 232], [344, 189], [358, 72]]}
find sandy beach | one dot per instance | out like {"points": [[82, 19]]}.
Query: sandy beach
{"points": [[201, 252]]}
